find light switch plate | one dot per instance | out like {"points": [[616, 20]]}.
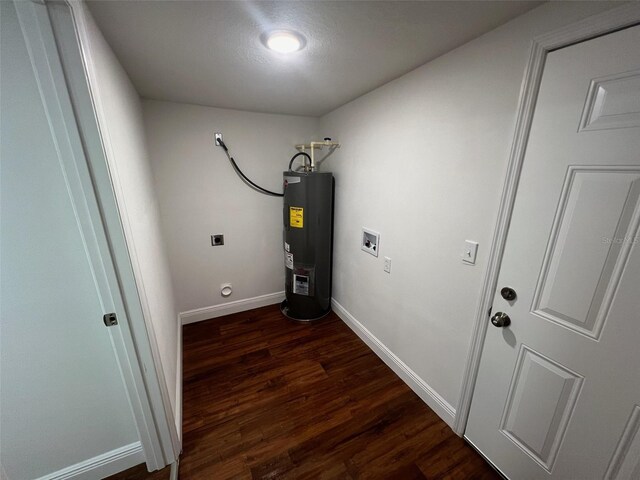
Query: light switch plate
{"points": [[469, 252]]}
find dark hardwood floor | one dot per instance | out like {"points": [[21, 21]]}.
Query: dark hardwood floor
{"points": [[267, 398]]}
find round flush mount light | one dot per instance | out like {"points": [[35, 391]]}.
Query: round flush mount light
{"points": [[283, 41]]}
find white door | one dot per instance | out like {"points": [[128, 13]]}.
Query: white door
{"points": [[558, 390], [64, 407]]}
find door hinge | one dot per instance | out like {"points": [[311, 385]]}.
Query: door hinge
{"points": [[110, 319]]}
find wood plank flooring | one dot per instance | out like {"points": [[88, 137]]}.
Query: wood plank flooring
{"points": [[267, 398]]}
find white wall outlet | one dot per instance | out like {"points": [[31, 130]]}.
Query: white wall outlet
{"points": [[469, 252], [370, 241], [387, 264]]}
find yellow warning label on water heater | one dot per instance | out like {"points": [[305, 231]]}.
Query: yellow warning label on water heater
{"points": [[296, 217]]}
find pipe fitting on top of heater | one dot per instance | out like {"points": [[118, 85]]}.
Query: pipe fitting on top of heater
{"points": [[327, 142]]}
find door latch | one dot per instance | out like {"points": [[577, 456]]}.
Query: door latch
{"points": [[110, 319], [501, 320]]}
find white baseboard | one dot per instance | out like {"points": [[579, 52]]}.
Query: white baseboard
{"points": [[178, 392], [103, 465], [199, 314], [419, 386]]}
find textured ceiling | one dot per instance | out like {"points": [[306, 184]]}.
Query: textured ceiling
{"points": [[209, 52]]}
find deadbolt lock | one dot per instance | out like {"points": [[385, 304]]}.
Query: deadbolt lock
{"points": [[508, 293]]}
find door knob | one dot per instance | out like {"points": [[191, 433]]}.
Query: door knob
{"points": [[508, 293], [501, 319]]}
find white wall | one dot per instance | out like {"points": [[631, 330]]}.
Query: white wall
{"points": [[423, 162], [120, 117], [201, 195]]}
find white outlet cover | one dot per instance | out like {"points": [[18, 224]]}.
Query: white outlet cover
{"points": [[469, 252], [387, 264]]}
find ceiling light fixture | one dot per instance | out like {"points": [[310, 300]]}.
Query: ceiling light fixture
{"points": [[283, 41]]}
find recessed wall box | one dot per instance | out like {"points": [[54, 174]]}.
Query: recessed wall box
{"points": [[370, 241]]}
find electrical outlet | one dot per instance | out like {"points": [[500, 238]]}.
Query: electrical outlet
{"points": [[218, 138], [387, 264], [217, 240]]}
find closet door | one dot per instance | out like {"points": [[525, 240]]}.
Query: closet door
{"points": [[558, 390], [64, 406]]}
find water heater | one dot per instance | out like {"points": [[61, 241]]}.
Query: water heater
{"points": [[308, 244], [308, 231]]}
